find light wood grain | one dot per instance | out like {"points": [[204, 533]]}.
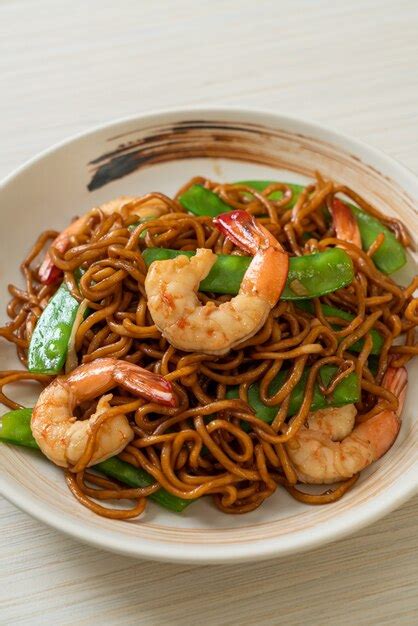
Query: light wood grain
{"points": [[70, 65]]}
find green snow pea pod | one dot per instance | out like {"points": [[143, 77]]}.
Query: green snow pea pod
{"points": [[260, 185], [332, 311], [49, 342], [201, 201]]}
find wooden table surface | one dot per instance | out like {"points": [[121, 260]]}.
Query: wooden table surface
{"points": [[66, 66]]}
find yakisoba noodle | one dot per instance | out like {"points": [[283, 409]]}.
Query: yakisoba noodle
{"points": [[212, 444]]}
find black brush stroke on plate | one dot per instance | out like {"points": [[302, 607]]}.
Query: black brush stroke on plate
{"points": [[116, 167], [125, 159]]}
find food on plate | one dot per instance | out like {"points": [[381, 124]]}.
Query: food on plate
{"points": [[234, 339]]}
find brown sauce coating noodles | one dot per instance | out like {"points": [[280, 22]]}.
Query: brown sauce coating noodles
{"points": [[211, 444]]}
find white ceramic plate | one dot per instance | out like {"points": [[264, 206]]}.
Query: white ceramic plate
{"points": [[161, 151]]}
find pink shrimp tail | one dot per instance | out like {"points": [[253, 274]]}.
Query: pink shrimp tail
{"points": [[48, 272], [90, 380], [141, 382], [242, 229], [270, 266], [383, 428], [396, 380], [345, 224]]}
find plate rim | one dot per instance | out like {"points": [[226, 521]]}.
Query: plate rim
{"points": [[333, 133], [255, 550]]}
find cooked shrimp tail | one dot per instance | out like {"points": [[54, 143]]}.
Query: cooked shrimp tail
{"points": [[382, 429], [395, 380], [251, 236], [95, 378], [242, 229], [48, 272], [345, 224]]}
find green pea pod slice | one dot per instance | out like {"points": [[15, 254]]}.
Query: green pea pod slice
{"points": [[143, 220], [49, 342], [201, 201], [15, 428], [260, 185], [391, 255], [332, 311], [346, 392], [309, 276]]}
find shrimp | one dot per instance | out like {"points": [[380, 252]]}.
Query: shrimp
{"points": [[171, 288], [345, 224], [331, 448], [63, 438], [48, 272], [336, 422]]}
